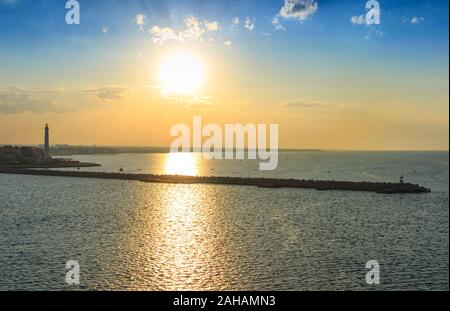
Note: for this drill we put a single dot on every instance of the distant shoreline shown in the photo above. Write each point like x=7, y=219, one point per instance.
x=378, y=187
x=87, y=150
x=59, y=164
x=75, y=150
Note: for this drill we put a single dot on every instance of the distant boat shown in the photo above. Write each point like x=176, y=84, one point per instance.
x=120, y=169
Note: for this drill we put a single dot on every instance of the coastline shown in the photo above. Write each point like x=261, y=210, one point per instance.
x=321, y=185
x=60, y=164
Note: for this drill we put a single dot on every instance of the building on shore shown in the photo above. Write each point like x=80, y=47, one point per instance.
x=25, y=155
x=15, y=155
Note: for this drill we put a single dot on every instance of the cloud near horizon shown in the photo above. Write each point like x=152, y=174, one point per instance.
x=14, y=99
x=109, y=93
x=18, y=100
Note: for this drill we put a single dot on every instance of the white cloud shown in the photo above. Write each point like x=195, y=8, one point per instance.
x=194, y=31
x=358, y=20
x=299, y=9
x=140, y=21
x=105, y=29
x=249, y=23
x=228, y=43
x=417, y=20
x=277, y=24
x=161, y=35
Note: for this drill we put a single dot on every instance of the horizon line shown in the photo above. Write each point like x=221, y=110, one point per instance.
x=280, y=149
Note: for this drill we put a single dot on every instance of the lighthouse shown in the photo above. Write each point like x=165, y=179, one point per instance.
x=46, y=146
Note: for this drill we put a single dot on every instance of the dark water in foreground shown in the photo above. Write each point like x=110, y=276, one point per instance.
x=139, y=236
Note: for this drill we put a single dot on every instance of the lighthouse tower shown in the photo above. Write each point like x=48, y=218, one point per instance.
x=46, y=146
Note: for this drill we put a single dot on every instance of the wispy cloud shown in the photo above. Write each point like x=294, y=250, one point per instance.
x=417, y=20
x=18, y=100
x=277, y=24
x=374, y=33
x=191, y=101
x=15, y=99
x=109, y=93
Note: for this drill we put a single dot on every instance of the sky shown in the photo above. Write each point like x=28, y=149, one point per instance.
x=314, y=67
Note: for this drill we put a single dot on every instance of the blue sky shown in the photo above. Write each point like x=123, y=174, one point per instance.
x=34, y=35
x=38, y=23
x=261, y=54
x=43, y=19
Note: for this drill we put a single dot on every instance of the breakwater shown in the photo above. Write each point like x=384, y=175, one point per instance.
x=379, y=187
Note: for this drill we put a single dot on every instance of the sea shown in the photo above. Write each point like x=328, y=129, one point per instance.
x=131, y=235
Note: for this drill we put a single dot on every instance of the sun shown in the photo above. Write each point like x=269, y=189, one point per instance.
x=181, y=73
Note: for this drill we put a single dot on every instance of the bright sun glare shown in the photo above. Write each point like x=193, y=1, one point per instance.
x=181, y=73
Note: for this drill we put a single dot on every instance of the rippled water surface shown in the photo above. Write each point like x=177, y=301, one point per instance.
x=143, y=236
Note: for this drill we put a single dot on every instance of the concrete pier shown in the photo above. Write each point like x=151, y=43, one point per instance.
x=379, y=187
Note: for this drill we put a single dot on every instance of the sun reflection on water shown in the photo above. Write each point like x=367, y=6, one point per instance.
x=182, y=235
x=183, y=163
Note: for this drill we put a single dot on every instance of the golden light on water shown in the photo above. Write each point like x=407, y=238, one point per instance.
x=184, y=227
x=184, y=163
